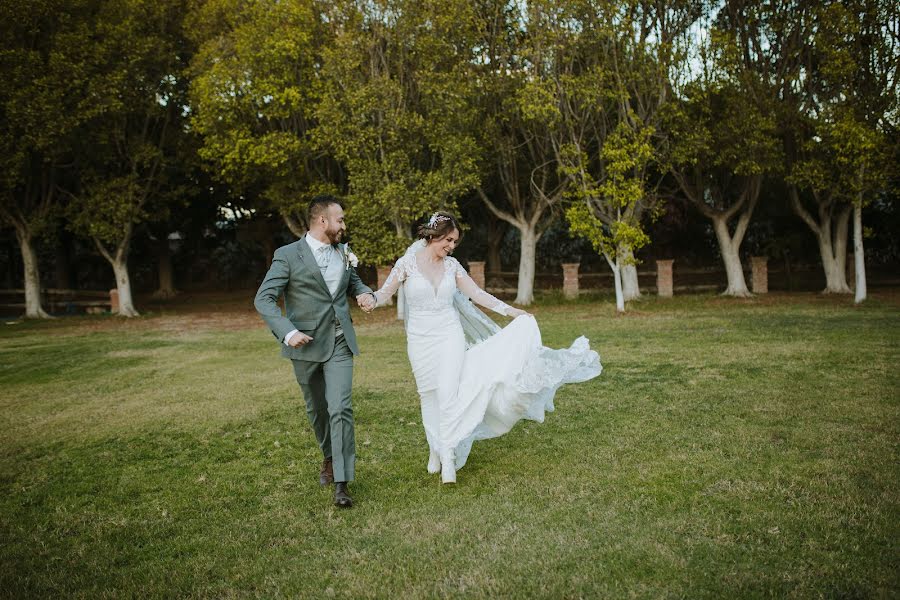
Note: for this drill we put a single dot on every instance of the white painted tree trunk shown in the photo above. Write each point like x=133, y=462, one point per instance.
x=858, y=254
x=295, y=225
x=33, y=308
x=831, y=235
x=119, y=262
x=617, y=282
x=630, y=287
x=833, y=250
x=835, y=275
x=734, y=270
x=123, y=285
x=528, y=247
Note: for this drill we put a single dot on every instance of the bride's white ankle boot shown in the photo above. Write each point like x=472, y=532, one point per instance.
x=448, y=467
x=434, y=462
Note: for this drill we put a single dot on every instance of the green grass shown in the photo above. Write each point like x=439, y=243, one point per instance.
x=730, y=449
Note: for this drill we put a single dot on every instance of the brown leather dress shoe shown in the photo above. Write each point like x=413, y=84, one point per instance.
x=342, y=497
x=326, y=473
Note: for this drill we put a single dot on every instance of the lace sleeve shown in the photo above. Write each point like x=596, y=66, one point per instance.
x=392, y=283
x=477, y=295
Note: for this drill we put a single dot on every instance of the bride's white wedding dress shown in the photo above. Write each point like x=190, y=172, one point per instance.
x=479, y=392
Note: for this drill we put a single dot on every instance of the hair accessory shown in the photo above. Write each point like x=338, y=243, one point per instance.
x=435, y=219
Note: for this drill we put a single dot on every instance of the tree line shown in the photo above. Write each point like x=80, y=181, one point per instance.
x=116, y=113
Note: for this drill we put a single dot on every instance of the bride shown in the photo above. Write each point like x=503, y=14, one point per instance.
x=475, y=380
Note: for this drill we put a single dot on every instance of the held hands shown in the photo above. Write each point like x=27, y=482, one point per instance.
x=366, y=302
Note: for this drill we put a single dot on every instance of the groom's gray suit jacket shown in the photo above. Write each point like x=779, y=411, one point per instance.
x=310, y=307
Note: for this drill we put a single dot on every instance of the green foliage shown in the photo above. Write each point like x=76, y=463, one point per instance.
x=44, y=99
x=722, y=132
x=862, y=156
x=718, y=126
x=845, y=159
x=515, y=97
x=603, y=212
x=108, y=208
x=129, y=150
x=404, y=106
x=858, y=83
x=252, y=97
x=611, y=66
x=850, y=106
x=607, y=239
x=393, y=110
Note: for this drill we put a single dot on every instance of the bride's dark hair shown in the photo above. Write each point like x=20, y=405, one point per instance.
x=438, y=225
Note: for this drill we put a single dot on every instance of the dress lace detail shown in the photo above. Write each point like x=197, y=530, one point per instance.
x=543, y=368
x=468, y=287
x=454, y=267
x=399, y=273
x=406, y=269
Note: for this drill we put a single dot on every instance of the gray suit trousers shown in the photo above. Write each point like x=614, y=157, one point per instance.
x=326, y=388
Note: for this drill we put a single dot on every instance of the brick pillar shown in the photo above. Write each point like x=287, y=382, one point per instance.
x=383, y=273
x=476, y=272
x=570, y=280
x=114, y=300
x=760, y=274
x=664, y=278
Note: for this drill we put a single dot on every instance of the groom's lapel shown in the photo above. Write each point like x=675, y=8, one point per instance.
x=309, y=260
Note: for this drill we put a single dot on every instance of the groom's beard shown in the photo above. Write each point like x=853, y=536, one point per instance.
x=334, y=235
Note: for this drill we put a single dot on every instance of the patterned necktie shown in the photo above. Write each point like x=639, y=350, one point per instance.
x=323, y=258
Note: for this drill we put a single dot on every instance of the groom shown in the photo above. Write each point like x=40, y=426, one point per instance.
x=314, y=274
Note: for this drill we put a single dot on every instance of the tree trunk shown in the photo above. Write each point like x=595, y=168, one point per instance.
x=832, y=243
x=295, y=225
x=858, y=254
x=730, y=249
x=63, y=267
x=833, y=250
x=630, y=287
x=33, y=308
x=123, y=285
x=528, y=246
x=165, y=270
x=268, y=245
x=119, y=262
x=788, y=274
x=496, y=230
x=617, y=282
x=9, y=277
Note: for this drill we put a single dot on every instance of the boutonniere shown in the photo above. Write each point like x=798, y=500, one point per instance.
x=350, y=259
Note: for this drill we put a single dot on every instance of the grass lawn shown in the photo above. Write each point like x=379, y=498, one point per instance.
x=730, y=449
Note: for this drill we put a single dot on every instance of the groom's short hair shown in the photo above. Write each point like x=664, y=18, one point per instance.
x=320, y=204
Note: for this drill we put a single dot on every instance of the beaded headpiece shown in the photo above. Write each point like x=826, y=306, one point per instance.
x=435, y=219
